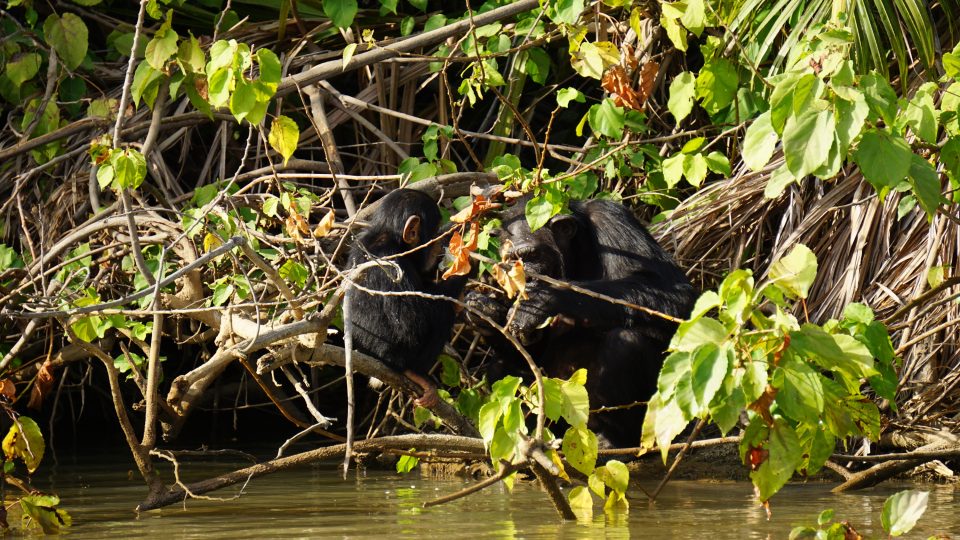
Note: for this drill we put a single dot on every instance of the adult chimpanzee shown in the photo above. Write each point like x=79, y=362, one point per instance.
x=406, y=332
x=601, y=247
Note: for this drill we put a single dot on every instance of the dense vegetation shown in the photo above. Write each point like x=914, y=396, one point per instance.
x=178, y=185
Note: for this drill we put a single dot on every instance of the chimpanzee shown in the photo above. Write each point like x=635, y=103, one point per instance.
x=601, y=247
x=406, y=332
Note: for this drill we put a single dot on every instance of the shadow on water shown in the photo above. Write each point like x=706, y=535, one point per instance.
x=315, y=503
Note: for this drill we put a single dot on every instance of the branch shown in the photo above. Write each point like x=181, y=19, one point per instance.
x=332, y=68
x=399, y=442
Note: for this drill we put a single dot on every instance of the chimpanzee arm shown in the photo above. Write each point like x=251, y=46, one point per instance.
x=545, y=301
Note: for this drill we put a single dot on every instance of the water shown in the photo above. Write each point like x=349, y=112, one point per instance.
x=314, y=502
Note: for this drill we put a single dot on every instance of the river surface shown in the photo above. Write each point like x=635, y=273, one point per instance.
x=313, y=502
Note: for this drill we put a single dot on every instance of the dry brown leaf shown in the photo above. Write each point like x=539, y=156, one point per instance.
x=461, y=252
x=648, y=76
x=513, y=281
x=617, y=83
x=41, y=386
x=7, y=389
x=296, y=226
x=326, y=225
x=628, y=58
x=477, y=207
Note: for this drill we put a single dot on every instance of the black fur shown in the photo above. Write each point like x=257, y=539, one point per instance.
x=405, y=332
x=600, y=246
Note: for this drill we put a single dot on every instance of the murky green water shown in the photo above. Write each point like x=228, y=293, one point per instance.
x=315, y=503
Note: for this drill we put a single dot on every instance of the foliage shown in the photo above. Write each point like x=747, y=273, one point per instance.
x=24, y=443
x=796, y=93
x=901, y=511
x=798, y=384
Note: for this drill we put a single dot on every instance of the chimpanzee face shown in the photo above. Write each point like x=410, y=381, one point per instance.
x=544, y=251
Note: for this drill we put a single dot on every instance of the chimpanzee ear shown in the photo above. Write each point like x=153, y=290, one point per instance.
x=411, y=231
x=564, y=226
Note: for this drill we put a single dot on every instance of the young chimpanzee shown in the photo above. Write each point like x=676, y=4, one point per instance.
x=406, y=332
x=601, y=247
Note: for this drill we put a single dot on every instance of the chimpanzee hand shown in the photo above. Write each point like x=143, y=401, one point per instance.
x=528, y=315
x=490, y=305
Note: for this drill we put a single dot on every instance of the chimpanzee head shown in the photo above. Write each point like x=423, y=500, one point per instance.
x=410, y=218
x=544, y=251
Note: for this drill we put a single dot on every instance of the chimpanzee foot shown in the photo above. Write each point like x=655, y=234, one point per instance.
x=429, y=397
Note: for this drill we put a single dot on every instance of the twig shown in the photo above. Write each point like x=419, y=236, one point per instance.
x=507, y=470
x=677, y=459
x=438, y=442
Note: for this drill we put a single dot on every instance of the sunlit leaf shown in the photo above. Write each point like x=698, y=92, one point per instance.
x=67, y=35
x=902, y=510
x=284, y=136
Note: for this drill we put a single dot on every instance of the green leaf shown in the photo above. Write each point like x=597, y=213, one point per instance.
x=43, y=511
x=691, y=335
x=921, y=114
x=576, y=403
x=24, y=441
x=539, y=210
x=489, y=417
x=553, y=398
x=694, y=16
x=717, y=84
x=807, y=138
x=161, y=47
x=565, y=11
x=190, y=55
x=294, y=272
x=781, y=99
x=146, y=82
x=884, y=159
x=835, y=352
x=581, y=502
x=709, y=368
x=951, y=65
x=593, y=59
x=676, y=32
x=270, y=68
x=407, y=25
x=784, y=455
x=795, y=272
x=607, y=119
x=340, y=12
x=24, y=68
x=779, y=179
x=130, y=168
x=902, y=510
x=435, y=21
x=407, y=463
x=68, y=36
x=925, y=182
x=851, y=116
x=759, y=143
x=718, y=163
x=682, y=92
x=615, y=475
x=580, y=448
x=243, y=100
x=880, y=97
x=673, y=169
x=537, y=65
x=284, y=136
x=566, y=95
x=222, y=54
x=666, y=420
x=675, y=367
x=694, y=168
x=801, y=394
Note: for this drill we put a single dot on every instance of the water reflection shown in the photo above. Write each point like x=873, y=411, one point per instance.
x=316, y=503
